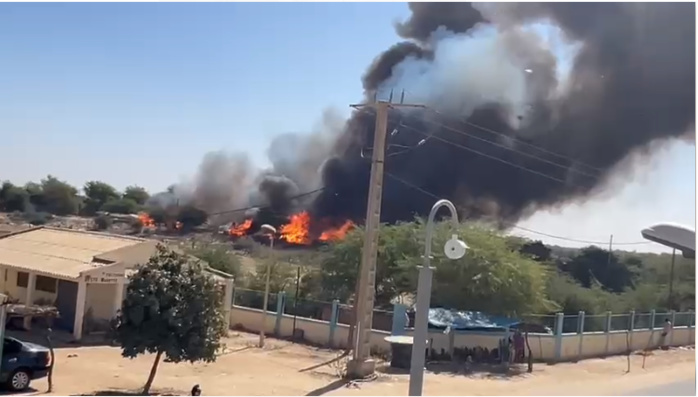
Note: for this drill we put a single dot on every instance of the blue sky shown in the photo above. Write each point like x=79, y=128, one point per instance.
x=136, y=93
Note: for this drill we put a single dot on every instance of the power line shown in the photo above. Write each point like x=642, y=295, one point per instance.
x=413, y=186
x=509, y=148
x=257, y=207
x=524, y=143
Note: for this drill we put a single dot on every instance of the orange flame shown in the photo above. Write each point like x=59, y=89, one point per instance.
x=296, y=230
x=338, y=233
x=145, y=220
x=240, y=230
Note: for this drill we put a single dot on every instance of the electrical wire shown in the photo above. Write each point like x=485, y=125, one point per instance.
x=426, y=192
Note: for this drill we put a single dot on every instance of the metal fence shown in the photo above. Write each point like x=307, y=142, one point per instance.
x=574, y=323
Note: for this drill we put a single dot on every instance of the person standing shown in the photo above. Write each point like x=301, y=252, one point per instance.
x=519, y=352
x=666, y=329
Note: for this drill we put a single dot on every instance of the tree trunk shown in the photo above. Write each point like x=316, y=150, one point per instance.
x=151, y=377
x=53, y=360
x=530, y=356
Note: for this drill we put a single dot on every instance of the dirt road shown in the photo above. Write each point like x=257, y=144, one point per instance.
x=283, y=368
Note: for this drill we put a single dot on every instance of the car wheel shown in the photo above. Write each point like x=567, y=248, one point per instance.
x=19, y=380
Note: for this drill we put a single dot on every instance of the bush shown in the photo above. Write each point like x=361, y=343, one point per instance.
x=120, y=206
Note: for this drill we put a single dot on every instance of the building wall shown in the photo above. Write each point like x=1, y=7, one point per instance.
x=594, y=344
x=100, y=301
x=8, y=285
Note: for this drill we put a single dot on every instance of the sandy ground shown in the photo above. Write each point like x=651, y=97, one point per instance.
x=283, y=368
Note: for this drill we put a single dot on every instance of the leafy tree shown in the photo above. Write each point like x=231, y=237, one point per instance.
x=13, y=198
x=393, y=278
x=59, y=197
x=492, y=277
x=536, y=250
x=36, y=195
x=191, y=216
x=120, y=206
x=171, y=307
x=137, y=194
x=98, y=193
x=220, y=258
x=593, y=263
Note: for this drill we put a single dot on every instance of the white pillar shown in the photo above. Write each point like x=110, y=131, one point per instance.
x=118, y=296
x=228, y=303
x=31, y=285
x=80, y=308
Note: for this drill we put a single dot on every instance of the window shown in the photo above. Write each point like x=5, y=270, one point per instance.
x=46, y=284
x=11, y=347
x=22, y=279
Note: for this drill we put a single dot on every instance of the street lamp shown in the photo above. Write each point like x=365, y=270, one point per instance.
x=454, y=249
x=271, y=232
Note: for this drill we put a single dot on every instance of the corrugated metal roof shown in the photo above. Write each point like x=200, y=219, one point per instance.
x=59, y=252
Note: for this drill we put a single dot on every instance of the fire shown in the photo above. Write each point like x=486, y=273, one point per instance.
x=336, y=234
x=146, y=220
x=296, y=230
x=240, y=230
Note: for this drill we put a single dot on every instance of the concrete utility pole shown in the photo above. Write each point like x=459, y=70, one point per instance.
x=361, y=365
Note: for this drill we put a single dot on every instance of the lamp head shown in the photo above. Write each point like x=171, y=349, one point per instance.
x=455, y=248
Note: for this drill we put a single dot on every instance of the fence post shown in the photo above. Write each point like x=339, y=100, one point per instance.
x=631, y=329
x=653, y=315
x=399, y=312
x=559, y=318
x=673, y=325
x=280, y=301
x=691, y=324
x=608, y=330
x=333, y=321
x=580, y=331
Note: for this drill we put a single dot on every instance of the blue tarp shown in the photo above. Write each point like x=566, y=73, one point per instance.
x=468, y=320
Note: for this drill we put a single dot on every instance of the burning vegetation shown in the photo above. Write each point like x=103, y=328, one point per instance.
x=299, y=230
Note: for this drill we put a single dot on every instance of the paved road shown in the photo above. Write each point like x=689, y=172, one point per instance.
x=683, y=388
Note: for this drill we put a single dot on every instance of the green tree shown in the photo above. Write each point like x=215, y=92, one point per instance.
x=137, y=194
x=120, y=206
x=13, y=198
x=171, y=307
x=219, y=257
x=59, y=197
x=493, y=276
x=593, y=263
x=98, y=193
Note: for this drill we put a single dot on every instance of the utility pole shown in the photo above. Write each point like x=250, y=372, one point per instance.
x=671, y=280
x=361, y=365
x=610, y=251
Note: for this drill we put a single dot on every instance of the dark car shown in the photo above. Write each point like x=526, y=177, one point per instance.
x=23, y=362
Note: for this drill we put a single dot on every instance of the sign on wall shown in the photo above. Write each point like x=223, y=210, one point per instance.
x=105, y=277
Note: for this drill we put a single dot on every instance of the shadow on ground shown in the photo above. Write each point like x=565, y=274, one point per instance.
x=492, y=371
x=132, y=392
x=328, y=388
x=28, y=392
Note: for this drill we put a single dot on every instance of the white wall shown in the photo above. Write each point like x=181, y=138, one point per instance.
x=594, y=344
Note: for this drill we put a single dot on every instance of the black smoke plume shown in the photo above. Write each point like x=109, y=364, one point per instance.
x=505, y=134
x=631, y=84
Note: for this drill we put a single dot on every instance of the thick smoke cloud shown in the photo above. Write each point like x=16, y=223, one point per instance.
x=481, y=68
x=631, y=84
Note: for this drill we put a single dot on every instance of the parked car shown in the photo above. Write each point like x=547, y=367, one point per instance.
x=23, y=362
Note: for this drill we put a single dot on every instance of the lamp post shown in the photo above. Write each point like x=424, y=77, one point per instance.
x=271, y=232
x=454, y=249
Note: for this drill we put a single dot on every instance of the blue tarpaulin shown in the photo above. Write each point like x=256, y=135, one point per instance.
x=440, y=318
